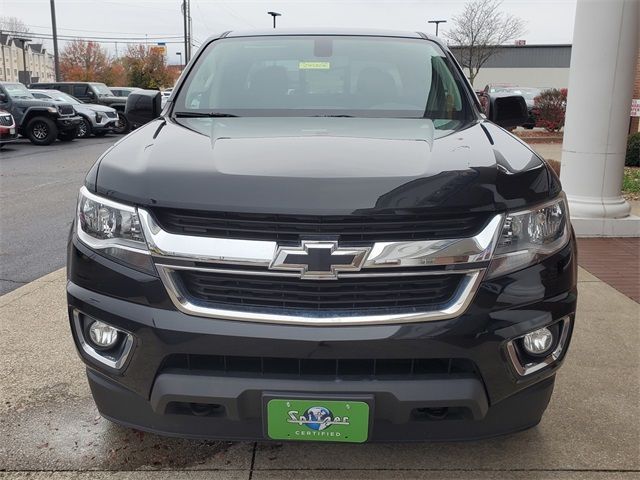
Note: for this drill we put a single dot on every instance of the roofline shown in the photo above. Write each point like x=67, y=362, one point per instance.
x=354, y=32
x=536, y=45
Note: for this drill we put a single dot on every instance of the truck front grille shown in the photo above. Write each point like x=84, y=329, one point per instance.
x=6, y=120
x=359, y=228
x=345, y=294
x=325, y=367
x=66, y=110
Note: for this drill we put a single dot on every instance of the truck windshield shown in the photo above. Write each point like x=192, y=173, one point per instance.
x=18, y=90
x=350, y=76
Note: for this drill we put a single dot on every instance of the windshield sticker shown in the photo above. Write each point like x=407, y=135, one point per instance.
x=314, y=65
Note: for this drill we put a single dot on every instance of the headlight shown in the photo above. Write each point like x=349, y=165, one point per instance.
x=52, y=110
x=98, y=117
x=113, y=230
x=529, y=236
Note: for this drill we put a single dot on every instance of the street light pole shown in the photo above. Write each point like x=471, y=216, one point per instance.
x=437, y=22
x=274, y=15
x=54, y=28
x=27, y=73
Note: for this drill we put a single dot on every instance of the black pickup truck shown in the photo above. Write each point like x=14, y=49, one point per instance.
x=325, y=240
x=41, y=121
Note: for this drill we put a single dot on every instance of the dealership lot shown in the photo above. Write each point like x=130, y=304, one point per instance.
x=38, y=190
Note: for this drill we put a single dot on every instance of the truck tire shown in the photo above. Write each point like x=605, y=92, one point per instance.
x=68, y=135
x=42, y=131
x=123, y=124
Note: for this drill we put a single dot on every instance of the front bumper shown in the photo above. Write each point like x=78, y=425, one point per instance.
x=68, y=123
x=489, y=399
x=6, y=134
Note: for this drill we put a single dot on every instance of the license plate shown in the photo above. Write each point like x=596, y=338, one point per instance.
x=318, y=420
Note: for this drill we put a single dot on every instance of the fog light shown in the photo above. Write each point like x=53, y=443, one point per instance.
x=538, y=342
x=103, y=335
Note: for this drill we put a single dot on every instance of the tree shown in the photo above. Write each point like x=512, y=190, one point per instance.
x=146, y=67
x=549, y=109
x=13, y=25
x=479, y=30
x=84, y=61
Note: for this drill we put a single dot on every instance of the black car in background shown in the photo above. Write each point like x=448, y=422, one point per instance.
x=41, y=121
x=326, y=240
x=92, y=92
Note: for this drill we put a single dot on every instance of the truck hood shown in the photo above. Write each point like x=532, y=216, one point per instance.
x=321, y=166
x=112, y=100
x=93, y=107
x=25, y=103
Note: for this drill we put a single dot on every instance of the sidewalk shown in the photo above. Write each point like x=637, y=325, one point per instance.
x=49, y=427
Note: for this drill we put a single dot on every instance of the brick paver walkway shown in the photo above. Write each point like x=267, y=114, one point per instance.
x=615, y=261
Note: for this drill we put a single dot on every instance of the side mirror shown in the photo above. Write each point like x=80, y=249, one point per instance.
x=143, y=106
x=90, y=94
x=508, y=111
x=3, y=97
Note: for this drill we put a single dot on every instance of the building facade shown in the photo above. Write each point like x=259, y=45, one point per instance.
x=542, y=66
x=39, y=62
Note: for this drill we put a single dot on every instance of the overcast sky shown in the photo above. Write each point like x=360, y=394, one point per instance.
x=547, y=21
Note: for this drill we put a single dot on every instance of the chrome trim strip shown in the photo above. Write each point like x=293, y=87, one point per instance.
x=456, y=307
x=95, y=354
x=528, y=369
x=258, y=253
x=269, y=273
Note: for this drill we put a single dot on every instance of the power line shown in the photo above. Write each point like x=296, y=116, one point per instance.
x=98, y=31
x=92, y=38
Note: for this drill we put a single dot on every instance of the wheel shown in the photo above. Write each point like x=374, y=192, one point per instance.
x=84, y=129
x=68, y=135
x=41, y=131
x=123, y=126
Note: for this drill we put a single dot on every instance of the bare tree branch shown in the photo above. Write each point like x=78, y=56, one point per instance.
x=479, y=30
x=13, y=25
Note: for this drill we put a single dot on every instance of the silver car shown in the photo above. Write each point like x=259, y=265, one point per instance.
x=96, y=119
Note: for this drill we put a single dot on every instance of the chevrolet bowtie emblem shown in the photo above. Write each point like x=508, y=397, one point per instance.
x=319, y=260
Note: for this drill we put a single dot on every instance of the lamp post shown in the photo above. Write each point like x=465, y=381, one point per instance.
x=274, y=15
x=26, y=74
x=437, y=22
x=180, y=55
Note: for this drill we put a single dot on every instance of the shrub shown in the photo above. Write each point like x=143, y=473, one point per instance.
x=549, y=109
x=633, y=151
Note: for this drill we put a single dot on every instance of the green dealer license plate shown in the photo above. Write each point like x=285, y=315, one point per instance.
x=318, y=420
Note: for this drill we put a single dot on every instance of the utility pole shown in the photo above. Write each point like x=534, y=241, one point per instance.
x=274, y=15
x=54, y=27
x=437, y=22
x=186, y=33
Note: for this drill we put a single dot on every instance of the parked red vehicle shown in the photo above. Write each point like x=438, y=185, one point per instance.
x=8, y=130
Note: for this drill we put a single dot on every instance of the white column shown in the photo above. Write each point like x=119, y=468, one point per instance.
x=605, y=48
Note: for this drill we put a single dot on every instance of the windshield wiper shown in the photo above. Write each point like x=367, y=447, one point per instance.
x=203, y=115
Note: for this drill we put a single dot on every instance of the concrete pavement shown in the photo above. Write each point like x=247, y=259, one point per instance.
x=49, y=427
x=38, y=192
